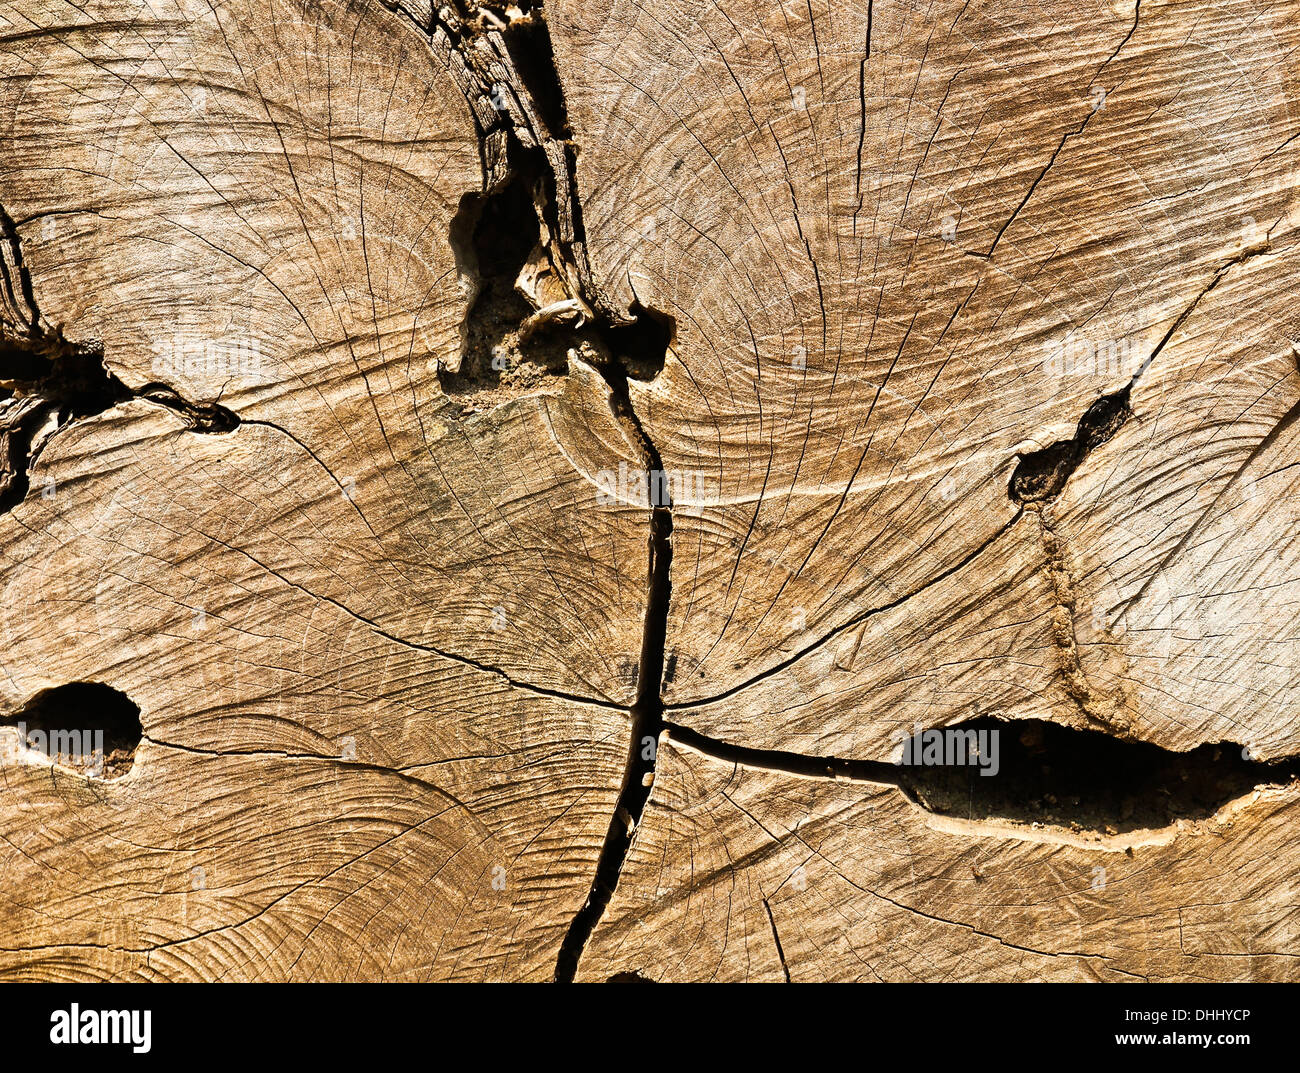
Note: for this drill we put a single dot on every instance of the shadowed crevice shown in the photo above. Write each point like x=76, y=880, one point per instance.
x=524, y=319
x=1042, y=475
x=1039, y=773
x=529, y=43
x=630, y=978
x=505, y=349
x=46, y=381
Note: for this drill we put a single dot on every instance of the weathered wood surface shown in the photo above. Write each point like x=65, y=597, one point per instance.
x=409, y=675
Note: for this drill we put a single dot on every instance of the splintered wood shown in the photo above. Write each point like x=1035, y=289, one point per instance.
x=527, y=475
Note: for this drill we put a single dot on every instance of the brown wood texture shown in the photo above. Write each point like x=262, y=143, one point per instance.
x=531, y=468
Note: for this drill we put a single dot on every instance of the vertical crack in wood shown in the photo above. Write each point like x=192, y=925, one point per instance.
x=776, y=938
x=506, y=70
x=648, y=708
x=19, y=309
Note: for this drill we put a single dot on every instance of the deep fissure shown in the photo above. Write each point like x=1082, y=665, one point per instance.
x=47, y=381
x=519, y=331
x=1047, y=774
x=521, y=245
x=647, y=710
x=506, y=346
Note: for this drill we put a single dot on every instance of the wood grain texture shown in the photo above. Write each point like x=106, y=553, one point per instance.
x=330, y=338
x=798, y=190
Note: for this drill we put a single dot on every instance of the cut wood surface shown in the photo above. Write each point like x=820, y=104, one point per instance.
x=519, y=477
